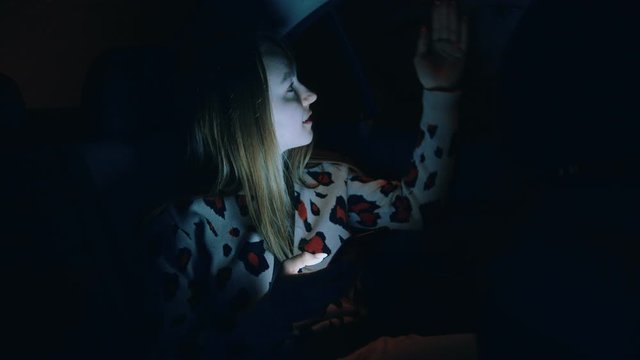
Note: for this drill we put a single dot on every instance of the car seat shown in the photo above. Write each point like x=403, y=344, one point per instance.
x=132, y=165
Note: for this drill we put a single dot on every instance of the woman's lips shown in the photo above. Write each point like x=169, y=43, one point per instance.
x=309, y=120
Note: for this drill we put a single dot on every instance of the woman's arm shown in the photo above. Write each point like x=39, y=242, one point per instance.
x=439, y=62
x=192, y=315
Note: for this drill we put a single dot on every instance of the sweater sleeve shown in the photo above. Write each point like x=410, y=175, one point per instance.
x=396, y=204
x=195, y=318
x=179, y=277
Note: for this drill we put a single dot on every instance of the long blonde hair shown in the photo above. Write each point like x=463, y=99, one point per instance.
x=233, y=141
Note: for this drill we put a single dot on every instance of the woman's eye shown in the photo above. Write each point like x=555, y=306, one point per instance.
x=290, y=89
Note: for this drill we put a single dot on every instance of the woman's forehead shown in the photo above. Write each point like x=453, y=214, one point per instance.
x=276, y=55
x=277, y=65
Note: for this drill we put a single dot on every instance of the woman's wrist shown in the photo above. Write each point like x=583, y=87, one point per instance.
x=443, y=89
x=440, y=107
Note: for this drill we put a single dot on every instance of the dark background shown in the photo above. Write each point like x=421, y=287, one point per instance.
x=47, y=46
x=548, y=89
x=359, y=52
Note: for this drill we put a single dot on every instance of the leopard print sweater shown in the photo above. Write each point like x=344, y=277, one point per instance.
x=210, y=264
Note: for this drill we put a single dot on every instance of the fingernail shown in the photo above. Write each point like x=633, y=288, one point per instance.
x=320, y=255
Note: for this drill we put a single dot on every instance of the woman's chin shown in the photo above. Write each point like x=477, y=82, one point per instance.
x=298, y=145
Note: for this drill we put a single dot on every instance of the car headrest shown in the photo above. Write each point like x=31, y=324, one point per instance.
x=129, y=92
x=13, y=112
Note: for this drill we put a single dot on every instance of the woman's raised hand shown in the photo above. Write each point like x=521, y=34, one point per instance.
x=293, y=265
x=441, y=50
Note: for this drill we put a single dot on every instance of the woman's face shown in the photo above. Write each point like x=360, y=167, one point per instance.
x=289, y=99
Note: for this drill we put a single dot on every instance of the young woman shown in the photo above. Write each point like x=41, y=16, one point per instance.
x=223, y=258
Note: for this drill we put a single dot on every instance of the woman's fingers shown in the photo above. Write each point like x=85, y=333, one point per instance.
x=464, y=33
x=438, y=20
x=441, y=50
x=446, y=29
x=332, y=323
x=338, y=313
x=451, y=21
x=449, y=51
x=293, y=265
x=423, y=41
x=312, y=259
x=449, y=38
x=445, y=23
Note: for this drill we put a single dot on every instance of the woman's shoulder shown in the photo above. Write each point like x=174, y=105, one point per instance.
x=331, y=166
x=189, y=210
x=327, y=161
x=327, y=173
x=186, y=218
x=169, y=215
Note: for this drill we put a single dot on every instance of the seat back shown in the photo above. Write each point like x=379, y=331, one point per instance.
x=134, y=164
x=128, y=93
x=13, y=112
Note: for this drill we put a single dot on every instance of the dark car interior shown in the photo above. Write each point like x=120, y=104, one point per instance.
x=533, y=250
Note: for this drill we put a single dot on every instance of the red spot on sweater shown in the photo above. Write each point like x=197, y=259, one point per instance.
x=315, y=210
x=302, y=210
x=253, y=259
x=314, y=245
x=341, y=214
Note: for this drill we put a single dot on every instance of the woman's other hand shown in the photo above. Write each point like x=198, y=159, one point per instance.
x=294, y=264
x=441, y=50
x=302, y=296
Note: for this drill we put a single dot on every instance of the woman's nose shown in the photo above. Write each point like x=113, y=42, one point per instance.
x=308, y=97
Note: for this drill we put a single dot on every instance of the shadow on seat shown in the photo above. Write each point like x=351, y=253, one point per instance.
x=13, y=112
